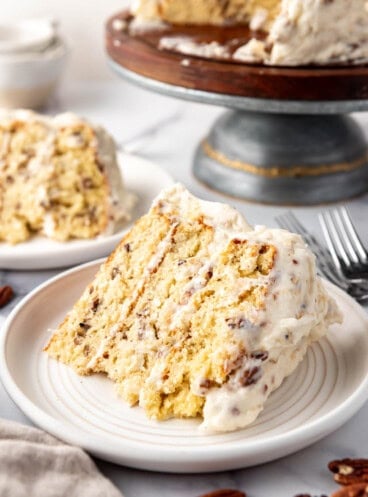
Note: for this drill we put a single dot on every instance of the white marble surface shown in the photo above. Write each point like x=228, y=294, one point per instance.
x=125, y=111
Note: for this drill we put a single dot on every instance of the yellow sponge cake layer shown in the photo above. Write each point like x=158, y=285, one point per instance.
x=206, y=11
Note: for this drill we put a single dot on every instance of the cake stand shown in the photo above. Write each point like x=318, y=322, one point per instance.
x=287, y=138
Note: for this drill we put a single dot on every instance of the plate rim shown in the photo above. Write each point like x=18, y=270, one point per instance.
x=284, y=443
x=67, y=249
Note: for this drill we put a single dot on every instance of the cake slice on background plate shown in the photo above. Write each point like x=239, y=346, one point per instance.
x=195, y=313
x=59, y=177
x=286, y=32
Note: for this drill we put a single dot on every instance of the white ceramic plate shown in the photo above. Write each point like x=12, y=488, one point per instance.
x=328, y=387
x=141, y=177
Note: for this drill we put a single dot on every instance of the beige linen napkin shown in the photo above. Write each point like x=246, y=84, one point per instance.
x=35, y=464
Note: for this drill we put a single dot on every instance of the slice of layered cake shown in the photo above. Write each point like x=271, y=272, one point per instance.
x=59, y=177
x=286, y=32
x=197, y=314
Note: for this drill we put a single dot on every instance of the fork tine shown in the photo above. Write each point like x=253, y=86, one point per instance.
x=354, y=235
x=345, y=237
x=297, y=227
x=287, y=221
x=329, y=241
x=290, y=221
x=336, y=248
x=357, y=288
x=283, y=222
x=336, y=239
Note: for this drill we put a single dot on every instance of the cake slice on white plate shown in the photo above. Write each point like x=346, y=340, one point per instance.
x=197, y=314
x=59, y=177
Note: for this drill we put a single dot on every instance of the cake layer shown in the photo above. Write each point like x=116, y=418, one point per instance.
x=59, y=177
x=206, y=11
x=197, y=314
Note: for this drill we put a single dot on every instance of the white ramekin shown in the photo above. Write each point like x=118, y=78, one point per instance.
x=28, y=79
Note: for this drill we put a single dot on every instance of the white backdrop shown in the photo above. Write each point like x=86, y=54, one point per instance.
x=82, y=21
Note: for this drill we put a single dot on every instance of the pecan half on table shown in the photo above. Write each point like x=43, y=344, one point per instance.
x=225, y=492
x=308, y=495
x=349, y=471
x=6, y=294
x=356, y=490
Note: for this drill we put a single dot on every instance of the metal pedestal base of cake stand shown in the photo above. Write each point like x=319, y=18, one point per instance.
x=284, y=158
x=277, y=151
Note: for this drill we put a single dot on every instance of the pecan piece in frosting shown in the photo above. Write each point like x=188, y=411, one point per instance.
x=349, y=471
x=250, y=376
x=260, y=355
x=96, y=302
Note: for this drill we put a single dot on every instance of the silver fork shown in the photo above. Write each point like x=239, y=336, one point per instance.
x=358, y=290
x=347, y=251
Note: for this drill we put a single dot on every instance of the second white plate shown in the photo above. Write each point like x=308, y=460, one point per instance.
x=328, y=387
x=141, y=177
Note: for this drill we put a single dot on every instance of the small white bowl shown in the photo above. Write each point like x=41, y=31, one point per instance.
x=27, y=79
x=24, y=36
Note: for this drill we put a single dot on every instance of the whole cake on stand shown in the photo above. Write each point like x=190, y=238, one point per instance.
x=294, y=32
x=289, y=69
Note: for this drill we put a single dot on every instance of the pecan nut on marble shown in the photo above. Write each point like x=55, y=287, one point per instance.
x=349, y=471
x=309, y=495
x=6, y=294
x=356, y=490
x=225, y=492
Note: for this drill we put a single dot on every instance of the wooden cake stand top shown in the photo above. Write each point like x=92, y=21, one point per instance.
x=140, y=54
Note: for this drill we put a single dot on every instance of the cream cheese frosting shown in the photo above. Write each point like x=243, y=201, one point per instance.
x=188, y=46
x=296, y=313
x=314, y=32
